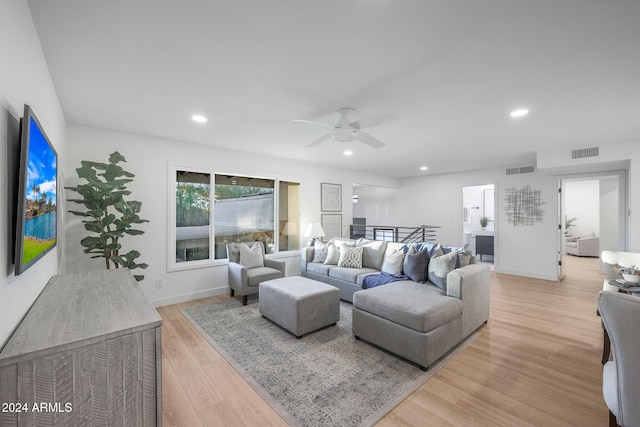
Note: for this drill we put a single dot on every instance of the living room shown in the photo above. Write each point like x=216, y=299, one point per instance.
x=31, y=75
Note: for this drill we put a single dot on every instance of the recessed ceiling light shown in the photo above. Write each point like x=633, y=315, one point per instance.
x=424, y=168
x=348, y=153
x=198, y=118
x=519, y=113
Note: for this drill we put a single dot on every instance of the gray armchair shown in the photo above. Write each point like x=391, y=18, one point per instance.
x=621, y=376
x=245, y=280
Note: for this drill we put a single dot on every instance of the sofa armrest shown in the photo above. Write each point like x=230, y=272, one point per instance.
x=274, y=263
x=589, y=246
x=471, y=284
x=237, y=276
x=306, y=256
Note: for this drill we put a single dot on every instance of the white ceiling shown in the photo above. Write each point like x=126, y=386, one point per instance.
x=452, y=70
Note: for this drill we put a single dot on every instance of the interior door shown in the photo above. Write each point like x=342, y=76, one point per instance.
x=562, y=243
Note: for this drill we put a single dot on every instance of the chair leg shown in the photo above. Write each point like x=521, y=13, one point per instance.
x=231, y=292
x=245, y=299
x=612, y=420
x=606, y=347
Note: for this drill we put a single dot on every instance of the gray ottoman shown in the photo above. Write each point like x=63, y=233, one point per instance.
x=298, y=304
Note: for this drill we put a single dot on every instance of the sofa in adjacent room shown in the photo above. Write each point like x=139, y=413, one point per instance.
x=588, y=245
x=440, y=297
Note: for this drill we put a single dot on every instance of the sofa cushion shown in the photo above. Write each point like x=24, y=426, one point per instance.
x=339, y=241
x=440, y=265
x=350, y=274
x=392, y=263
x=319, y=268
x=372, y=253
x=350, y=257
x=394, y=247
x=414, y=305
x=261, y=274
x=333, y=255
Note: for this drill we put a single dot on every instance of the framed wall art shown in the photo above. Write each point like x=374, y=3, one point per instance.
x=332, y=225
x=330, y=197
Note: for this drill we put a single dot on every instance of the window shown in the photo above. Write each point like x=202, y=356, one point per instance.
x=211, y=210
x=243, y=212
x=193, y=216
x=289, y=215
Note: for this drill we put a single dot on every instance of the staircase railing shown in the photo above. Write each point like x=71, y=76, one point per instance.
x=395, y=233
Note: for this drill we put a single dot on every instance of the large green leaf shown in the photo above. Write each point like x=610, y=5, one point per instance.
x=113, y=172
x=116, y=157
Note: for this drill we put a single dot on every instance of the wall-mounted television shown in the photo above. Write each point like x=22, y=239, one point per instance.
x=36, y=228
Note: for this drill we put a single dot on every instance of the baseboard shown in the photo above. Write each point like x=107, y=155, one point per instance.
x=190, y=296
x=530, y=274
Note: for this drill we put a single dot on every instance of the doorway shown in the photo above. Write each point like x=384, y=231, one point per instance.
x=479, y=221
x=592, y=215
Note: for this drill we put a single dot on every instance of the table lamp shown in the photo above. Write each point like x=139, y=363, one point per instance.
x=314, y=230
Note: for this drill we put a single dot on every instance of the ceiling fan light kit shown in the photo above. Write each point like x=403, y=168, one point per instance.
x=348, y=130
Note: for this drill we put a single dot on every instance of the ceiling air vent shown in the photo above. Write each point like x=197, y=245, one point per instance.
x=516, y=171
x=582, y=153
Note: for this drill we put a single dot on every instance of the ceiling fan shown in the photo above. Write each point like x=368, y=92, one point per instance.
x=348, y=130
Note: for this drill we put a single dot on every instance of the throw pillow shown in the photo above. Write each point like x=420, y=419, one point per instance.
x=251, y=257
x=373, y=253
x=409, y=250
x=333, y=255
x=440, y=266
x=350, y=257
x=464, y=258
x=320, y=251
x=393, y=263
x=415, y=265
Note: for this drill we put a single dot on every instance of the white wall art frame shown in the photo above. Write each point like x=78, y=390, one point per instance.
x=330, y=197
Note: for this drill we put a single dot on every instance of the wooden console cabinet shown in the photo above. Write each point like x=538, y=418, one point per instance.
x=87, y=353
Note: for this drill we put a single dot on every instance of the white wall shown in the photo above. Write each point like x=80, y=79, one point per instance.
x=582, y=201
x=24, y=79
x=521, y=250
x=148, y=158
x=377, y=205
x=609, y=211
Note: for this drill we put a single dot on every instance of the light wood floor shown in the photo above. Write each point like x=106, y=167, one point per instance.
x=535, y=363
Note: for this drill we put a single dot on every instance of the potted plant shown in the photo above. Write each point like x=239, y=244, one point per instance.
x=568, y=223
x=108, y=214
x=484, y=221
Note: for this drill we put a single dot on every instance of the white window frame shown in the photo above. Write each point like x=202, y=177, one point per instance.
x=172, y=265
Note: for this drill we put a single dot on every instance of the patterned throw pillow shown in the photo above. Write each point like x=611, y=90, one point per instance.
x=333, y=255
x=392, y=263
x=440, y=265
x=320, y=252
x=251, y=257
x=350, y=257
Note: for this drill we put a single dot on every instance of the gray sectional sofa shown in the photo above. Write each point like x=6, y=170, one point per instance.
x=416, y=320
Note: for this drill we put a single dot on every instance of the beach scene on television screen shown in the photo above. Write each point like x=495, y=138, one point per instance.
x=40, y=215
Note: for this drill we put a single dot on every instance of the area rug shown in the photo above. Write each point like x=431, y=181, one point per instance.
x=326, y=378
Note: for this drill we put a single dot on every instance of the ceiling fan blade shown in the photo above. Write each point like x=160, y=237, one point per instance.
x=367, y=122
x=319, y=140
x=308, y=122
x=370, y=140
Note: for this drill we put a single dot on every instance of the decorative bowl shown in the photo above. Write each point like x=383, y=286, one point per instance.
x=631, y=278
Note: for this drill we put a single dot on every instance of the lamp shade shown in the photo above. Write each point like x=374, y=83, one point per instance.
x=314, y=230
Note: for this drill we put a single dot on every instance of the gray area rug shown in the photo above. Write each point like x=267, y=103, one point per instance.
x=326, y=378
